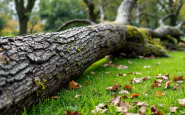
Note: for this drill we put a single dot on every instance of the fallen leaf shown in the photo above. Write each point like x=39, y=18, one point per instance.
x=141, y=104
x=121, y=74
x=55, y=97
x=158, y=76
x=114, y=87
x=167, y=84
x=122, y=67
x=87, y=83
x=107, y=72
x=124, y=105
x=146, y=78
x=130, y=73
x=131, y=114
x=142, y=110
x=147, y=66
x=176, y=87
x=158, y=63
x=159, y=93
x=124, y=97
x=134, y=95
x=127, y=87
x=180, y=81
x=138, y=73
x=178, y=78
x=73, y=113
x=77, y=96
x=115, y=100
x=173, y=109
x=158, y=81
x=155, y=110
x=136, y=80
x=103, y=108
x=92, y=72
x=124, y=92
x=182, y=102
x=156, y=85
x=129, y=62
x=74, y=85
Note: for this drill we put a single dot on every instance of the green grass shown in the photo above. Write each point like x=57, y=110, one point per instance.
x=96, y=92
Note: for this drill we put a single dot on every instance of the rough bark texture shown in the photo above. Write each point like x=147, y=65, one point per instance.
x=35, y=66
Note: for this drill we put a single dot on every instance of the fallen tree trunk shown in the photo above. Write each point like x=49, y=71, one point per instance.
x=35, y=66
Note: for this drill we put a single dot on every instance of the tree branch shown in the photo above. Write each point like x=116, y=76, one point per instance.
x=30, y=5
x=163, y=6
x=179, y=26
x=161, y=21
x=124, y=11
x=87, y=21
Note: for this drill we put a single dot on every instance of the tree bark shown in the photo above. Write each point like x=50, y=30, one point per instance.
x=35, y=66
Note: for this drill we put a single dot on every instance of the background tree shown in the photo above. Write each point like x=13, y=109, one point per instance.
x=24, y=9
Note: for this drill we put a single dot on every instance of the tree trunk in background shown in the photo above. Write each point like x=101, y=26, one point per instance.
x=23, y=24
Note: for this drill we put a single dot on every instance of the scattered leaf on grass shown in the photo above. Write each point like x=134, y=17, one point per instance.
x=156, y=85
x=92, y=72
x=176, y=87
x=77, y=96
x=167, y=84
x=182, y=102
x=103, y=108
x=54, y=97
x=155, y=110
x=74, y=85
x=158, y=81
x=158, y=63
x=114, y=87
x=121, y=74
x=73, y=113
x=158, y=76
x=173, y=109
x=127, y=87
x=178, y=78
x=129, y=62
x=124, y=92
x=159, y=93
x=124, y=105
x=180, y=81
x=138, y=73
x=146, y=78
x=134, y=95
x=142, y=110
x=107, y=72
x=136, y=80
x=87, y=83
x=147, y=66
x=124, y=97
x=131, y=114
x=122, y=67
x=141, y=104
x=115, y=100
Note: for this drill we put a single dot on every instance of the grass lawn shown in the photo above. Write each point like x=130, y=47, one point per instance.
x=94, y=93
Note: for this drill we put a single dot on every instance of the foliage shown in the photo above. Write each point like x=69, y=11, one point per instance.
x=57, y=12
x=11, y=28
x=142, y=95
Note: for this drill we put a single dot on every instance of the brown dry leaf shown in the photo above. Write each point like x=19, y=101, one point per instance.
x=146, y=78
x=127, y=87
x=158, y=81
x=180, y=81
x=74, y=85
x=115, y=100
x=173, y=109
x=77, y=96
x=114, y=87
x=73, y=113
x=176, y=87
x=130, y=73
x=124, y=105
x=124, y=97
x=182, y=102
x=155, y=110
x=159, y=93
x=131, y=114
x=158, y=76
x=54, y=97
x=121, y=74
x=92, y=72
x=124, y=92
x=134, y=95
x=141, y=104
x=122, y=67
x=156, y=85
x=167, y=84
x=142, y=110
x=87, y=83
x=136, y=80
x=103, y=108
x=178, y=78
